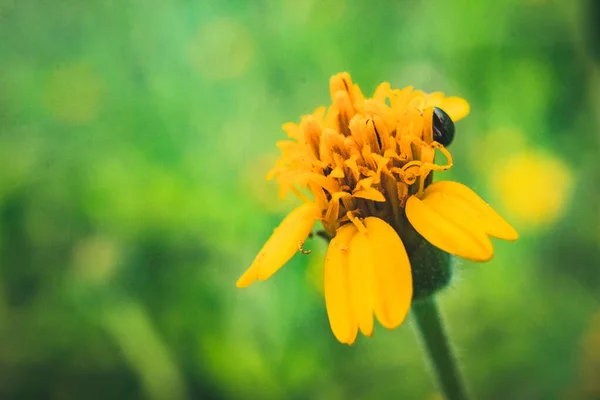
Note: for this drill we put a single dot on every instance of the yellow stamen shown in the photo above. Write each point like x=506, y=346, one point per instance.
x=446, y=153
x=300, y=248
x=357, y=222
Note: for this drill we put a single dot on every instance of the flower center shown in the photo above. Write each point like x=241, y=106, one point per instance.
x=362, y=157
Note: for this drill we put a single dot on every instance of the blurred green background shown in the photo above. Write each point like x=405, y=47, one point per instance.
x=134, y=141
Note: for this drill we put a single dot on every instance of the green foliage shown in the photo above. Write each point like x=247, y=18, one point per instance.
x=134, y=140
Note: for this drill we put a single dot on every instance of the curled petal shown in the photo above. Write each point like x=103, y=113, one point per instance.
x=444, y=228
x=463, y=197
x=337, y=286
x=282, y=244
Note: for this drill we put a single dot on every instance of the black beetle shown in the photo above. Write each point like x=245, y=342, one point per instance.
x=443, y=127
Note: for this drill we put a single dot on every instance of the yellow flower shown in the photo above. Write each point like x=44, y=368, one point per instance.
x=535, y=203
x=368, y=163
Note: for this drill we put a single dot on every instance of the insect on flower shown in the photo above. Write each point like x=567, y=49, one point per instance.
x=368, y=163
x=443, y=127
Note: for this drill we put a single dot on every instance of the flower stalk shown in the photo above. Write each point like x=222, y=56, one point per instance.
x=431, y=330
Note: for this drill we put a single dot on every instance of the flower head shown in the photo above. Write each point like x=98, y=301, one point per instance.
x=368, y=163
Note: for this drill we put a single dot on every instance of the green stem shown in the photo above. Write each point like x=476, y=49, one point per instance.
x=431, y=329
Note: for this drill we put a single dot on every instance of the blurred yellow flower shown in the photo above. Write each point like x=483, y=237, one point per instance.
x=535, y=202
x=368, y=164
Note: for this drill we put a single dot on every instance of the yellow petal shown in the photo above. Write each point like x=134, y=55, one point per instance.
x=393, y=279
x=282, y=244
x=247, y=277
x=450, y=235
x=337, y=286
x=360, y=262
x=455, y=210
x=370, y=194
x=460, y=214
x=337, y=172
x=382, y=91
x=292, y=130
x=455, y=107
x=494, y=224
x=340, y=82
x=433, y=99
